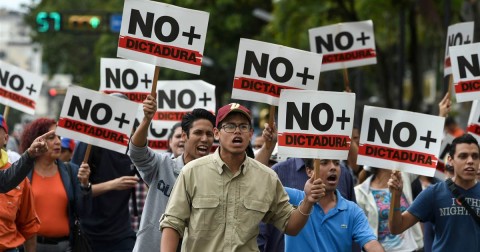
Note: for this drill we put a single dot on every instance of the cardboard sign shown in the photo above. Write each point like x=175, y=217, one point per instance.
x=458, y=34
x=473, y=127
x=344, y=45
x=466, y=71
x=319, y=125
x=400, y=140
x=94, y=118
x=132, y=78
x=158, y=131
x=163, y=35
x=19, y=88
x=264, y=69
x=175, y=99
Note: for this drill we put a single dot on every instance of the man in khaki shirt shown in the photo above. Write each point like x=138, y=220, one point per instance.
x=221, y=198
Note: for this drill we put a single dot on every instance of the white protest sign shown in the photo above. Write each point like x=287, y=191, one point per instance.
x=458, y=34
x=344, y=45
x=98, y=119
x=158, y=131
x=466, y=71
x=400, y=140
x=131, y=78
x=264, y=69
x=19, y=88
x=315, y=124
x=473, y=127
x=163, y=35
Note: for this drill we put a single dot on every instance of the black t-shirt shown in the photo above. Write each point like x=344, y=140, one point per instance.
x=110, y=216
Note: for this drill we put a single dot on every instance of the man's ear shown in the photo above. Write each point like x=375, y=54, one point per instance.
x=184, y=137
x=309, y=172
x=216, y=133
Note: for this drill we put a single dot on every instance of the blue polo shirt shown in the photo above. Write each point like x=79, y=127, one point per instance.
x=333, y=231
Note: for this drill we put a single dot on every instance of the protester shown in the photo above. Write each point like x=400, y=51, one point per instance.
x=374, y=198
x=109, y=227
x=67, y=148
x=160, y=171
x=11, y=177
x=418, y=185
x=455, y=228
x=19, y=222
x=56, y=198
x=334, y=222
x=221, y=198
x=292, y=173
x=258, y=142
x=176, y=145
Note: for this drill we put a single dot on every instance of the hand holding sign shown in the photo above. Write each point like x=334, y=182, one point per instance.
x=84, y=174
x=149, y=107
x=314, y=190
x=444, y=105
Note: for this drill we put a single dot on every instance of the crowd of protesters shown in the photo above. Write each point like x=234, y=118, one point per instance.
x=234, y=199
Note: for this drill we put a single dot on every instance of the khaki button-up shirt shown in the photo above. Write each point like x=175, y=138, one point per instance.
x=222, y=210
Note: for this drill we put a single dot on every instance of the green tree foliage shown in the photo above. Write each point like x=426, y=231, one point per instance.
x=423, y=50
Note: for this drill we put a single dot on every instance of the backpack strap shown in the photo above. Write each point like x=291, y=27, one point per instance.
x=453, y=188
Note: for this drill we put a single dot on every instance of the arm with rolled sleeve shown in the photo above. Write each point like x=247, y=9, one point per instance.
x=177, y=214
x=281, y=210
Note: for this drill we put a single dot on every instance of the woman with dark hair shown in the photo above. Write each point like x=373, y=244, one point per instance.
x=373, y=197
x=175, y=141
x=59, y=189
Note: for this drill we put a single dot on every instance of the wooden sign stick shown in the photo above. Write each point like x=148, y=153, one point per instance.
x=153, y=92
x=346, y=82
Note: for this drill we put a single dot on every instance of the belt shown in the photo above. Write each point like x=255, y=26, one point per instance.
x=51, y=240
x=13, y=250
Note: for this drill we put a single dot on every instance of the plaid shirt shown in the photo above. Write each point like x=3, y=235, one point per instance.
x=141, y=190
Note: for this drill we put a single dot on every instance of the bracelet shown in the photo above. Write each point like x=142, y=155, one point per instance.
x=397, y=209
x=301, y=210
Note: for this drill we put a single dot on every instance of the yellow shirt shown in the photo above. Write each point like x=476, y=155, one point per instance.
x=222, y=210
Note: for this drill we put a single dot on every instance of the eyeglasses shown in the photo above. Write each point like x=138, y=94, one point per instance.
x=231, y=127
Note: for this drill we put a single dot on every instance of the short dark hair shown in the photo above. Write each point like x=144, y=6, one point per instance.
x=196, y=114
x=465, y=138
x=308, y=163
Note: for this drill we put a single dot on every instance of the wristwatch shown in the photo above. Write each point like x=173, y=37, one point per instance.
x=87, y=188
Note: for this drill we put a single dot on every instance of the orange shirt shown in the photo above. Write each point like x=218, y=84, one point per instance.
x=51, y=205
x=18, y=219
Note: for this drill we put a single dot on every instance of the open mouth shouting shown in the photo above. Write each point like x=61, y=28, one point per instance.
x=203, y=150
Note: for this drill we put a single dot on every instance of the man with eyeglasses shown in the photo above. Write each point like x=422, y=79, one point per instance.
x=221, y=198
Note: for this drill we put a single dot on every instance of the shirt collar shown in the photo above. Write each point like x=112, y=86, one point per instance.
x=341, y=202
x=178, y=164
x=221, y=165
x=299, y=164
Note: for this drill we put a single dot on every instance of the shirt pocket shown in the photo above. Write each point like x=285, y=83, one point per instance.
x=12, y=203
x=206, y=214
x=250, y=214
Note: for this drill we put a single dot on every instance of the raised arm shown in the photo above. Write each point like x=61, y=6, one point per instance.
x=444, y=105
x=398, y=221
x=139, y=138
x=270, y=136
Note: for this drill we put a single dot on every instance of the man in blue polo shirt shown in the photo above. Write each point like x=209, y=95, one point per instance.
x=334, y=221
